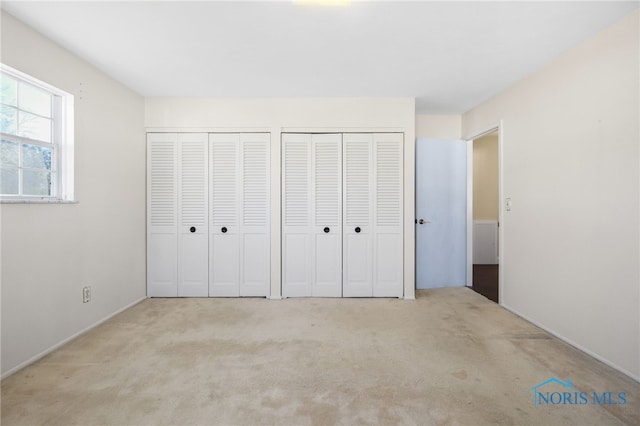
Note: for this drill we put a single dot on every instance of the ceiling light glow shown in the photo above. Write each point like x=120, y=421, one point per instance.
x=322, y=2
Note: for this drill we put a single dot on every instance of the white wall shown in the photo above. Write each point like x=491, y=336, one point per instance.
x=304, y=115
x=571, y=167
x=49, y=252
x=445, y=127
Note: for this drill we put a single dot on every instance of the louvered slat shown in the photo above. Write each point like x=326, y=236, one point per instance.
x=296, y=195
x=223, y=180
x=388, y=184
x=357, y=183
x=162, y=185
x=255, y=183
x=193, y=184
x=327, y=183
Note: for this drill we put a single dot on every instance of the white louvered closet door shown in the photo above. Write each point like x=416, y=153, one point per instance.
x=358, y=178
x=224, y=198
x=388, y=229
x=193, y=243
x=239, y=241
x=326, y=190
x=373, y=231
x=296, y=215
x=312, y=215
x=162, y=215
x=255, y=234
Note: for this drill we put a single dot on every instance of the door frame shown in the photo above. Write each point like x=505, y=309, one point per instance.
x=469, y=139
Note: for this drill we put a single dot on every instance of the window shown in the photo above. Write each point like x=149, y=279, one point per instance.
x=36, y=146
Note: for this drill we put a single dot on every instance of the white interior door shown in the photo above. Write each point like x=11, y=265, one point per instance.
x=373, y=200
x=162, y=215
x=224, y=196
x=255, y=205
x=342, y=215
x=193, y=250
x=297, y=256
x=358, y=202
x=388, y=196
x=312, y=210
x=441, y=212
x=326, y=188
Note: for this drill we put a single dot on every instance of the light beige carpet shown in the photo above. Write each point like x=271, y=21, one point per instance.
x=449, y=358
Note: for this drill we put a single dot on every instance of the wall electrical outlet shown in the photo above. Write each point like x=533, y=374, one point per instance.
x=86, y=294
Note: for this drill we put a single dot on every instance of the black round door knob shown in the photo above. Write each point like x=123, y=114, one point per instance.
x=224, y=229
x=192, y=229
x=358, y=229
x=326, y=230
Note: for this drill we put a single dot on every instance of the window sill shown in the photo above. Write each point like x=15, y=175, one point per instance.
x=9, y=201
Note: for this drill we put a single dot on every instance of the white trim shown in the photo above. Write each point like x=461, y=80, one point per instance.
x=208, y=129
x=62, y=137
x=37, y=201
x=470, y=213
x=574, y=344
x=500, y=213
x=32, y=80
x=66, y=148
x=67, y=340
x=343, y=129
x=484, y=131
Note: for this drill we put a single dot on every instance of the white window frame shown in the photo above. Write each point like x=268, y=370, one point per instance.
x=62, y=142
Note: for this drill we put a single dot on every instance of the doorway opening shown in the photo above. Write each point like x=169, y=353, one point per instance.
x=483, y=214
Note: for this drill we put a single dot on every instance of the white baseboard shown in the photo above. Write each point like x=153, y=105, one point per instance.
x=67, y=340
x=574, y=344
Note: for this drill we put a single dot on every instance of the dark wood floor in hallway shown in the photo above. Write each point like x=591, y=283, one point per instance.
x=485, y=281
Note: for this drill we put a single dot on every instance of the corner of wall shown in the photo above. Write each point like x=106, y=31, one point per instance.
x=445, y=127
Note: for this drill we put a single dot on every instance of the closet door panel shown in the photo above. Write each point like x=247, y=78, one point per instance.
x=357, y=269
x=255, y=265
x=224, y=198
x=255, y=207
x=388, y=265
x=342, y=215
x=296, y=215
x=296, y=280
x=162, y=215
x=193, y=260
x=225, y=264
x=358, y=215
x=328, y=264
x=162, y=268
x=193, y=266
x=388, y=261
x=327, y=215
